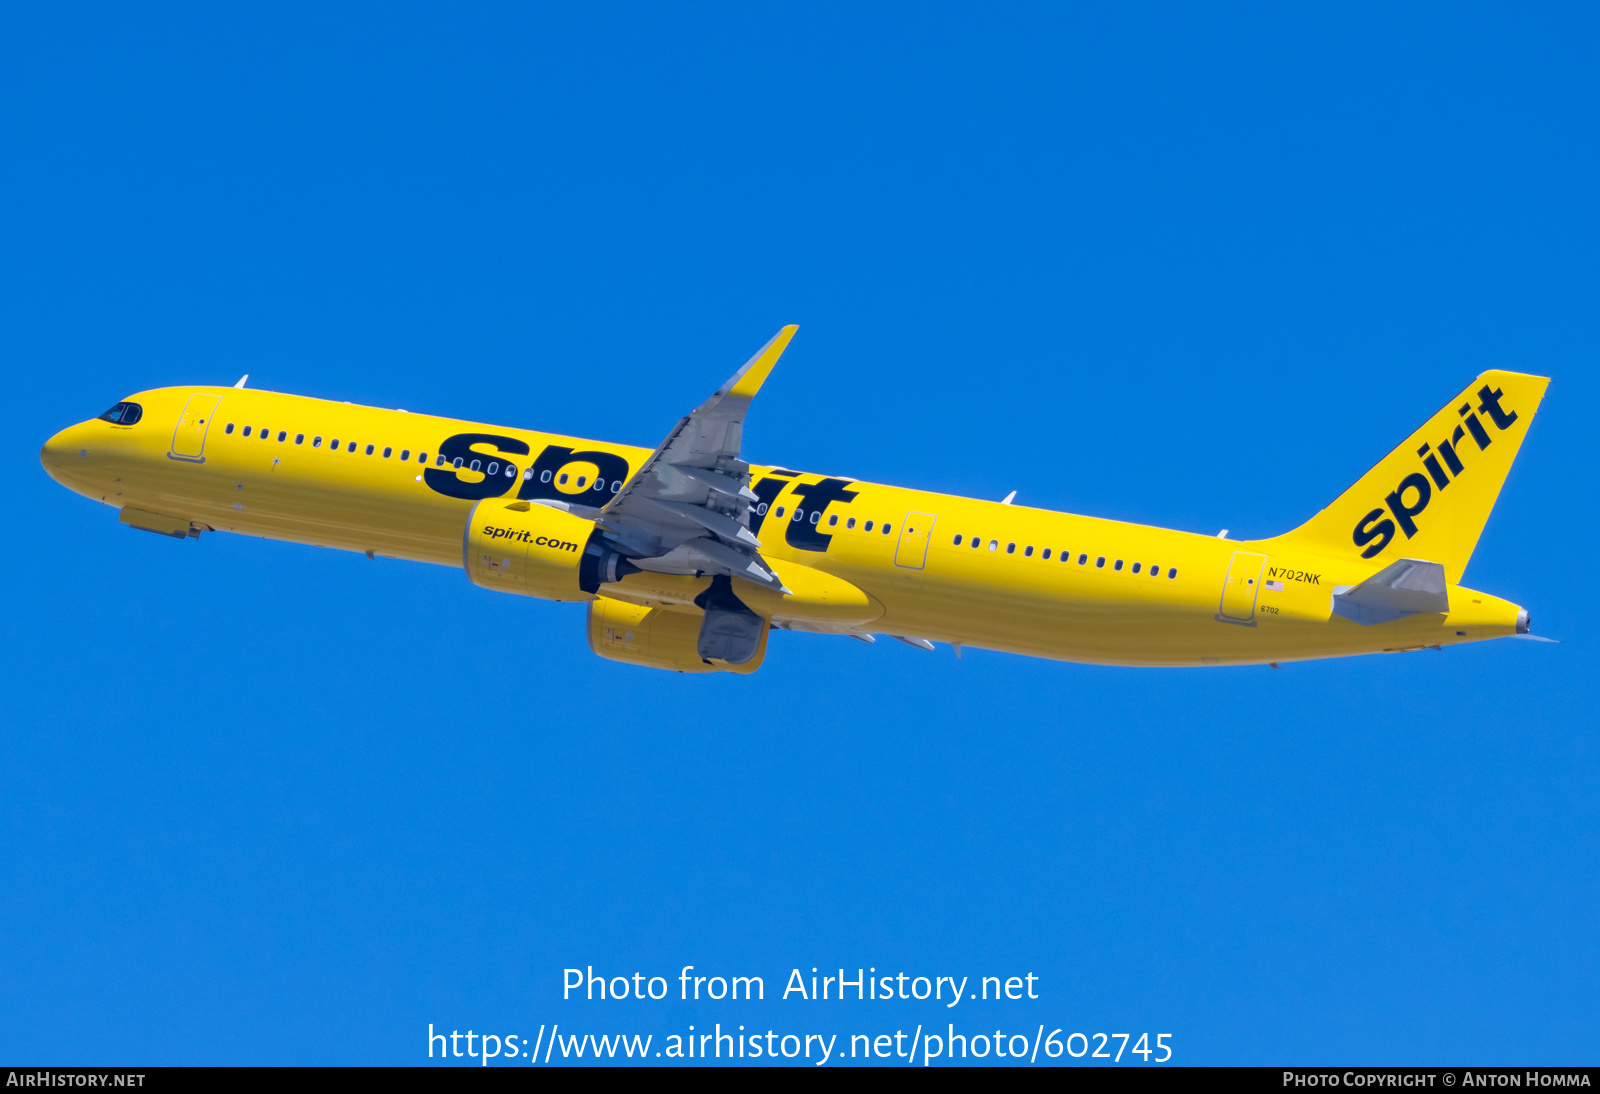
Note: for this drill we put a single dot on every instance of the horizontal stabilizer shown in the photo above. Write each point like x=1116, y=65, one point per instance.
x=1405, y=587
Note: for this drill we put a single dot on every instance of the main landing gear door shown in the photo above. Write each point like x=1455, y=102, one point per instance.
x=189, y=438
x=1240, y=587
x=912, y=551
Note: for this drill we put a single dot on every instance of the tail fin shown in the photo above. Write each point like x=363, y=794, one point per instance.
x=1430, y=497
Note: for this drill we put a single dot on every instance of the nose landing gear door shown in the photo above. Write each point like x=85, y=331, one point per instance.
x=189, y=438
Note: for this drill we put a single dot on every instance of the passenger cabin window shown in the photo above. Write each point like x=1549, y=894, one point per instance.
x=245, y=432
x=994, y=545
x=229, y=429
x=299, y=438
x=127, y=413
x=369, y=449
x=833, y=521
x=1045, y=554
x=1027, y=552
x=352, y=446
x=1011, y=548
x=387, y=452
x=422, y=457
x=885, y=529
x=283, y=435
x=1100, y=563
x=1171, y=572
x=333, y=445
x=958, y=541
x=851, y=523
x=1082, y=559
x=1135, y=567
x=1117, y=565
x=977, y=541
x=316, y=442
x=405, y=453
x=1155, y=571
x=867, y=526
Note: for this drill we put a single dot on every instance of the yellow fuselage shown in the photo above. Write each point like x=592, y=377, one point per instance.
x=1037, y=582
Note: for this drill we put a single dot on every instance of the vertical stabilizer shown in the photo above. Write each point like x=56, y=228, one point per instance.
x=1430, y=497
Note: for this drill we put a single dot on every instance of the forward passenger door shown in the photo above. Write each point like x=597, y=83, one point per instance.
x=189, y=438
x=912, y=550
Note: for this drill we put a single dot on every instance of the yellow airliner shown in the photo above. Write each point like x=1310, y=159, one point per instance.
x=687, y=556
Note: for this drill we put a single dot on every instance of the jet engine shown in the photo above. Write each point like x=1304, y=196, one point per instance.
x=536, y=550
x=660, y=637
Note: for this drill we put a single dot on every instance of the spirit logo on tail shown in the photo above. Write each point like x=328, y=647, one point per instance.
x=1376, y=526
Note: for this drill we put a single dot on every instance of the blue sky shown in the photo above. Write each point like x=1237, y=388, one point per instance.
x=265, y=803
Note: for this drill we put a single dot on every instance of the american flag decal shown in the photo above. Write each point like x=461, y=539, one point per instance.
x=1274, y=586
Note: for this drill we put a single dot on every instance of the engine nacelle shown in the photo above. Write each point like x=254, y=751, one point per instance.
x=660, y=638
x=536, y=550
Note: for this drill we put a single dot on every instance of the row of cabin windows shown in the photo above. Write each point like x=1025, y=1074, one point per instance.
x=333, y=446
x=495, y=466
x=1066, y=556
x=561, y=479
x=814, y=516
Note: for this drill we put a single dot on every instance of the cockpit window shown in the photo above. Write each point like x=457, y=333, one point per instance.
x=123, y=414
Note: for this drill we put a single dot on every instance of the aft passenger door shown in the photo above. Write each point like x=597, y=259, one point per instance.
x=189, y=438
x=1239, y=588
x=912, y=550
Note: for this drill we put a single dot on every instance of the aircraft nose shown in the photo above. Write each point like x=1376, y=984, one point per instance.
x=62, y=449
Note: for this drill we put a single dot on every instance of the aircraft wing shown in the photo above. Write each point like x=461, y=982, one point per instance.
x=687, y=509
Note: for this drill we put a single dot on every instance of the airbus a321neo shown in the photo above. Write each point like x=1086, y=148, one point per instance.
x=687, y=556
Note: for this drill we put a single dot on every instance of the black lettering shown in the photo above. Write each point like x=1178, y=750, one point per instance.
x=1402, y=512
x=1491, y=407
x=805, y=536
x=542, y=483
x=1432, y=464
x=1366, y=531
x=1474, y=427
x=1448, y=451
x=767, y=490
x=558, y=544
x=445, y=480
